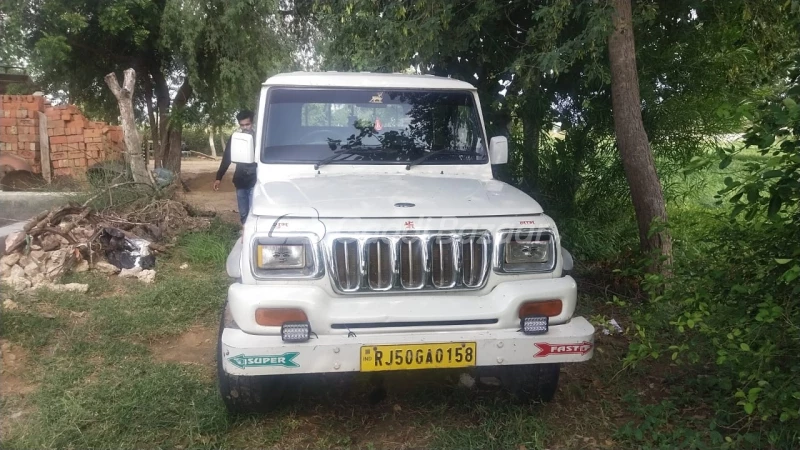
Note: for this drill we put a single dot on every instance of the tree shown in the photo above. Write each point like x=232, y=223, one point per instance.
x=697, y=60
x=210, y=55
x=640, y=168
x=133, y=142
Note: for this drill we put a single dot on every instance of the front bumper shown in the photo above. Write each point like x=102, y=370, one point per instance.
x=248, y=354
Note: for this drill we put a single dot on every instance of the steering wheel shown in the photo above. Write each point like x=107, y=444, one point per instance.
x=312, y=138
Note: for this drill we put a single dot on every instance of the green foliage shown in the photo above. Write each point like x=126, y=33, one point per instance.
x=196, y=139
x=224, y=49
x=734, y=299
x=695, y=59
x=663, y=426
x=771, y=186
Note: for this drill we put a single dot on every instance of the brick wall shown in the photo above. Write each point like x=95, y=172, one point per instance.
x=75, y=142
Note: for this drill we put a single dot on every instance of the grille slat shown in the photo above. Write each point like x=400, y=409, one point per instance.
x=411, y=262
x=380, y=264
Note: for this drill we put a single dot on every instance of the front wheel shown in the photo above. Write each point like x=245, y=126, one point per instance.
x=247, y=394
x=531, y=382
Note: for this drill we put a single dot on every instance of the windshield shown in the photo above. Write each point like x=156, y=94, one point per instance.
x=370, y=126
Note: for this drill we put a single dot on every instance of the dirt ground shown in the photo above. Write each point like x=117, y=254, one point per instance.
x=196, y=346
x=198, y=175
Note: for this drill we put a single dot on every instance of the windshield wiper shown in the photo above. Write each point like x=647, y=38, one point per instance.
x=444, y=151
x=348, y=152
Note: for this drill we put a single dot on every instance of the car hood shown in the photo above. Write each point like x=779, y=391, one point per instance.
x=386, y=196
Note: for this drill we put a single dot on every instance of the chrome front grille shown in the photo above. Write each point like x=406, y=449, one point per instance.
x=441, y=261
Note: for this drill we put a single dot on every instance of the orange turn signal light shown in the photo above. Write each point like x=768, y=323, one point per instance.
x=275, y=317
x=548, y=308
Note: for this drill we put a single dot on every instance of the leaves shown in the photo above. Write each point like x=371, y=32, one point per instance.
x=744, y=347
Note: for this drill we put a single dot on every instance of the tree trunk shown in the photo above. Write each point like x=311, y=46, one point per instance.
x=163, y=103
x=532, y=115
x=211, y=141
x=133, y=142
x=151, y=116
x=172, y=157
x=532, y=131
x=172, y=160
x=634, y=147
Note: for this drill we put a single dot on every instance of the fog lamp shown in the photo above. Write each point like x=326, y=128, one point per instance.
x=534, y=324
x=295, y=331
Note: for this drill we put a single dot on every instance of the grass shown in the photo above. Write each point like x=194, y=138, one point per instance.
x=209, y=247
x=99, y=379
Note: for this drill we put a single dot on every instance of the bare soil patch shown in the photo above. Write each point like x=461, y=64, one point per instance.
x=13, y=380
x=195, y=346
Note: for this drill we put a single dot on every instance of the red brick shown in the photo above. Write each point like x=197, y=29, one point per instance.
x=94, y=146
x=58, y=131
x=55, y=123
x=78, y=122
x=79, y=162
x=62, y=172
x=58, y=140
x=75, y=138
x=52, y=114
x=75, y=154
x=28, y=138
x=22, y=113
x=6, y=137
x=28, y=122
x=91, y=132
x=66, y=116
x=7, y=122
x=38, y=103
x=10, y=130
x=58, y=156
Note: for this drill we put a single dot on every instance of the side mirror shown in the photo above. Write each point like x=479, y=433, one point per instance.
x=242, y=148
x=498, y=150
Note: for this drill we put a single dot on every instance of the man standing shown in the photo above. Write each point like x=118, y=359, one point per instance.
x=244, y=178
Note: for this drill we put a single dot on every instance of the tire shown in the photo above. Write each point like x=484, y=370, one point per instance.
x=531, y=382
x=247, y=394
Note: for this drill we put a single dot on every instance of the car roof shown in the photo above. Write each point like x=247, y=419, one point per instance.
x=366, y=80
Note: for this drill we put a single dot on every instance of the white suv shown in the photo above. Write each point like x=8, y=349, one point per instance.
x=378, y=240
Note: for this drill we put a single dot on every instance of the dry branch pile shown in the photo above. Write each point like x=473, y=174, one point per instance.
x=77, y=238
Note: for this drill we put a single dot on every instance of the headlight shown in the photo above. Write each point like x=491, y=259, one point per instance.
x=524, y=251
x=275, y=256
x=521, y=252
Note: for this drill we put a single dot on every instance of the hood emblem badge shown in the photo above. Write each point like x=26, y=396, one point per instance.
x=404, y=205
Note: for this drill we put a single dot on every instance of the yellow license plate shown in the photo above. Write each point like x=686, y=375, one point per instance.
x=376, y=358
